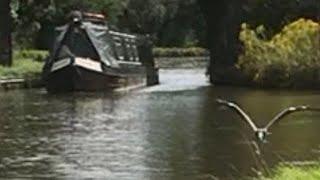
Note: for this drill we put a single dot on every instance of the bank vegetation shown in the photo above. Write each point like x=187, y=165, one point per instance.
x=27, y=64
x=290, y=172
x=291, y=58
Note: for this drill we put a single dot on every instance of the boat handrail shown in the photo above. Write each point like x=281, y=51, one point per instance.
x=122, y=35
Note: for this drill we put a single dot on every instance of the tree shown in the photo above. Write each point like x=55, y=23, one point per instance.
x=170, y=22
x=36, y=19
x=274, y=14
x=5, y=33
x=223, y=20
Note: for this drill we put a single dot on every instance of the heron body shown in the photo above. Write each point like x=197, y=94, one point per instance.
x=262, y=133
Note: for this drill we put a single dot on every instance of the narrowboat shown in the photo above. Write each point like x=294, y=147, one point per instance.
x=88, y=56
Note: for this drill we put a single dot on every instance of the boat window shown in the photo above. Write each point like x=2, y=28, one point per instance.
x=119, y=50
x=125, y=47
x=129, y=49
x=136, y=54
x=134, y=50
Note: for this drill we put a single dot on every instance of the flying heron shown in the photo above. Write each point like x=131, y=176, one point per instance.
x=261, y=133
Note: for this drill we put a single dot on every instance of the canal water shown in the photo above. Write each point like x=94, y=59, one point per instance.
x=171, y=131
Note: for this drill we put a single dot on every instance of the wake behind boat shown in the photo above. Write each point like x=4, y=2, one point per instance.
x=88, y=56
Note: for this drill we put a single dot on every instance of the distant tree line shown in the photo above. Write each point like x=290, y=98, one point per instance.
x=169, y=22
x=274, y=14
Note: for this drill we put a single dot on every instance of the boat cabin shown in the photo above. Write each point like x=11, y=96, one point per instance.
x=88, y=55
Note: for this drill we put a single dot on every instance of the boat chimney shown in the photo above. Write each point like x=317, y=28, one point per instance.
x=75, y=17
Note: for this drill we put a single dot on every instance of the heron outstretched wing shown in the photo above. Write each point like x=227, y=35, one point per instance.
x=289, y=111
x=243, y=114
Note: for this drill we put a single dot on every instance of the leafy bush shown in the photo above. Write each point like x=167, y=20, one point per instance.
x=26, y=64
x=295, y=173
x=35, y=55
x=180, y=52
x=23, y=68
x=289, y=59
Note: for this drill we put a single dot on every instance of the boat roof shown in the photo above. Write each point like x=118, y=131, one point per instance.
x=99, y=36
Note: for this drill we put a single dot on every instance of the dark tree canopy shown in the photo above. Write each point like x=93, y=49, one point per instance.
x=170, y=22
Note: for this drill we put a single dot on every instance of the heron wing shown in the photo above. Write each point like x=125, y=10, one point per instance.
x=289, y=111
x=243, y=114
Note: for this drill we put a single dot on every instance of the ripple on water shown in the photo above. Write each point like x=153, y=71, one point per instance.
x=180, y=80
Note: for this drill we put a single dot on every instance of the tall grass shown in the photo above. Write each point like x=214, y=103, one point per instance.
x=26, y=64
x=294, y=173
x=289, y=59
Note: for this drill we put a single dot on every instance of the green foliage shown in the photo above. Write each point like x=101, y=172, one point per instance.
x=295, y=173
x=35, y=16
x=35, y=55
x=170, y=22
x=110, y=8
x=180, y=52
x=290, y=59
x=22, y=68
x=146, y=16
x=26, y=64
x=281, y=12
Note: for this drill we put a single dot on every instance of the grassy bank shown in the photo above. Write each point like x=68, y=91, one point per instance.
x=26, y=64
x=180, y=52
x=291, y=58
x=295, y=173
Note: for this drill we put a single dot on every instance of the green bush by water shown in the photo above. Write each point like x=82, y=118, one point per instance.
x=295, y=173
x=21, y=68
x=32, y=54
x=26, y=64
x=290, y=59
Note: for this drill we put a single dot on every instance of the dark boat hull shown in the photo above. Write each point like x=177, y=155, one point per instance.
x=77, y=78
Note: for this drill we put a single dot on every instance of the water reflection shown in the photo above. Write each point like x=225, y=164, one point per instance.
x=173, y=131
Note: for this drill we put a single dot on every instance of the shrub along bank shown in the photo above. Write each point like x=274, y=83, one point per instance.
x=27, y=64
x=289, y=59
x=294, y=173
